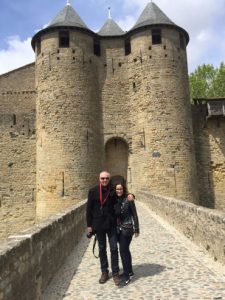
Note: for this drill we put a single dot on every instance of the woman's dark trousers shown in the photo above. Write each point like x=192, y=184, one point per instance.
x=125, y=254
x=112, y=237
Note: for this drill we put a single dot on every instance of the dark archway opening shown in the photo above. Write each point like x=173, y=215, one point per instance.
x=116, y=160
x=118, y=179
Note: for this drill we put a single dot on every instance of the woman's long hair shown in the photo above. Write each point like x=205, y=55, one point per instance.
x=124, y=189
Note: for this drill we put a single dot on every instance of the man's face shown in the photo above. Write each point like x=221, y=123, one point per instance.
x=104, y=178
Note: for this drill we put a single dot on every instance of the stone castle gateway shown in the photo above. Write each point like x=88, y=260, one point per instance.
x=109, y=100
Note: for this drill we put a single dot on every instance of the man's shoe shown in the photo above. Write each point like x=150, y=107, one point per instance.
x=104, y=277
x=116, y=278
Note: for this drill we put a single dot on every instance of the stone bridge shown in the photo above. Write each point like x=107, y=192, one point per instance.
x=180, y=254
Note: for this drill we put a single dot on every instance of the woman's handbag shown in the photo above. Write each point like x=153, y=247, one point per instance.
x=127, y=229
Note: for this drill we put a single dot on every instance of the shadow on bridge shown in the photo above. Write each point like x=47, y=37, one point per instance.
x=146, y=270
x=165, y=267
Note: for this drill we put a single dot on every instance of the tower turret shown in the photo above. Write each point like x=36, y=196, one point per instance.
x=163, y=150
x=114, y=85
x=68, y=114
x=110, y=28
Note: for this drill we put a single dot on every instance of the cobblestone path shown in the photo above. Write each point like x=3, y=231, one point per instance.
x=166, y=266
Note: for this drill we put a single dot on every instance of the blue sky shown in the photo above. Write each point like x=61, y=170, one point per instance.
x=204, y=20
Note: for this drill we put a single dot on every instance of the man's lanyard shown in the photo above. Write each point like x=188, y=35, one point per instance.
x=102, y=201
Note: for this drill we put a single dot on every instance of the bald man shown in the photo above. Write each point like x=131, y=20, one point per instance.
x=101, y=220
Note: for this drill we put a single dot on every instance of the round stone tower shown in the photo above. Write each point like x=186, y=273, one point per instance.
x=69, y=145
x=163, y=158
x=114, y=99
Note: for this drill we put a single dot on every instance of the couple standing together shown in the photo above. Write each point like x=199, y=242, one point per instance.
x=111, y=212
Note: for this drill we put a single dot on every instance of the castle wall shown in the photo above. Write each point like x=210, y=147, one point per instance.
x=85, y=107
x=203, y=226
x=21, y=79
x=69, y=143
x=17, y=151
x=210, y=157
x=162, y=141
x=30, y=260
x=114, y=97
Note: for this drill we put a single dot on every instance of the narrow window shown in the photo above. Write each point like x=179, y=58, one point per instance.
x=97, y=47
x=127, y=47
x=156, y=36
x=14, y=119
x=182, y=41
x=38, y=47
x=64, y=39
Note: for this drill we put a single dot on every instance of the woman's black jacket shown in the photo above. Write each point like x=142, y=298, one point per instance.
x=100, y=218
x=127, y=214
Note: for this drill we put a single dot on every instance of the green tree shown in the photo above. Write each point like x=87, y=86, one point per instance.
x=202, y=82
x=219, y=81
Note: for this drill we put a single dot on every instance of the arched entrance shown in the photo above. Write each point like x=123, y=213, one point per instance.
x=116, y=159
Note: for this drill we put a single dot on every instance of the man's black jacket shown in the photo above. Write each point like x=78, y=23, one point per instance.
x=100, y=218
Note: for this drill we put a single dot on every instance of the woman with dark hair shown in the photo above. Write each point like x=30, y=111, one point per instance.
x=128, y=225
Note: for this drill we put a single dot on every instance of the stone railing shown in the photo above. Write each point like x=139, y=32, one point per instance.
x=204, y=226
x=29, y=260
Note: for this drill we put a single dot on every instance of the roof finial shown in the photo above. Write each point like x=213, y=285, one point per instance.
x=68, y=2
x=109, y=8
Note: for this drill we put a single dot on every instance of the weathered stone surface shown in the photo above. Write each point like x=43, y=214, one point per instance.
x=210, y=156
x=69, y=147
x=73, y=113
x=166, y=265
x=29, y=259
x=17, y=150
x=203, y=226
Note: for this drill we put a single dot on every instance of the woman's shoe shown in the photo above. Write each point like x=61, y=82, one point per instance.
x=127, y=281
x=131, y=274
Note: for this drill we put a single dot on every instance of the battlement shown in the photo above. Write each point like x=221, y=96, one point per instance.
x=17, y=92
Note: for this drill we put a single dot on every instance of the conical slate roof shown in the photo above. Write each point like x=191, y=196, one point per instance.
x=152, y=15
x=110, y=28
x=68, y=17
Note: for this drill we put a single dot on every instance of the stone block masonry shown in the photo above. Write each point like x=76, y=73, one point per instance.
x=203, y=226
x=29, y=260
x=92, y=102
x=209, y=149
x=69, y=144
x=21, y=79
x=17, y=150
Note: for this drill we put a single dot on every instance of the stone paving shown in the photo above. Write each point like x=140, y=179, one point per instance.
x=165, y=263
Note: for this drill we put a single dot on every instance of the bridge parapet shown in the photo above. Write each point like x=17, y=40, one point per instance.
x=204, y=226
x=29, y=260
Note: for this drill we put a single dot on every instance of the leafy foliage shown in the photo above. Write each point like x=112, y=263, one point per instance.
x=208, y=82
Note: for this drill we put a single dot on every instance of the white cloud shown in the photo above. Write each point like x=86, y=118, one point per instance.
x=126, y=23
x=17, y=54
x=201, y=19
x=206, y=48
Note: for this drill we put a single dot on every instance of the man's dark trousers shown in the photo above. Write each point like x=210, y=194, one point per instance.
x=112, y=237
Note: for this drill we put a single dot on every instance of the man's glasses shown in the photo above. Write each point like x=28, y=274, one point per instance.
x=104, y=178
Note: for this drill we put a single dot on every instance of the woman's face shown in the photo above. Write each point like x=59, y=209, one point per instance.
x=119, y=190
